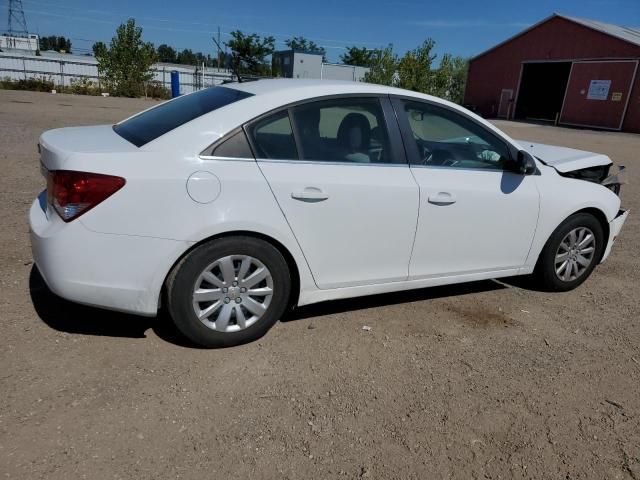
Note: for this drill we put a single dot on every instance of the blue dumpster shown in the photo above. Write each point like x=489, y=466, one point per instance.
x=175, y=84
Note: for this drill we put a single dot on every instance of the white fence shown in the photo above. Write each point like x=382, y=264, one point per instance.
x=62, y=69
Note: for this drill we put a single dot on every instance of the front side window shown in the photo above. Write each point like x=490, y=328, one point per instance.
x=445, y=138
x=342, y=130
x=153, y=123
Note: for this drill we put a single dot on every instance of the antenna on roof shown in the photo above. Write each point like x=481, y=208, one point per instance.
x=234, y=62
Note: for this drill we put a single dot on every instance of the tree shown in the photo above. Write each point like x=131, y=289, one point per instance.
x=187, y=57
x=450, y=78
x=304, y=45
x=52, y=42
x=167, y=54
x=414, y=69
x=383, y=66
x=125, y=65
x=358, y=56
x=248, y=53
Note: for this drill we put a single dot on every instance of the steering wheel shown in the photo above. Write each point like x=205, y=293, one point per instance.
x=449, y=162
x=427, y=154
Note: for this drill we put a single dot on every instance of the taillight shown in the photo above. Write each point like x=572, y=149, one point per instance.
x=73, y=193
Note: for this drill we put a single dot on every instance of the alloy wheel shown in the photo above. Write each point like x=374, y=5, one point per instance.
x=232, y=293
x=575, y=254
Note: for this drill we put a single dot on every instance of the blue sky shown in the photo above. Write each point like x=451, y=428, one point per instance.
x=462, y=27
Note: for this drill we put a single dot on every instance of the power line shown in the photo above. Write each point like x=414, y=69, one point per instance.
x=171, y=29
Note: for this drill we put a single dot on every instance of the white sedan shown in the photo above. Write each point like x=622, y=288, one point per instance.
x=234, y=203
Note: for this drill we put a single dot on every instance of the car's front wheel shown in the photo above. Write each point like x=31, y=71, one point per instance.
x=228, y=291
x=571, y=253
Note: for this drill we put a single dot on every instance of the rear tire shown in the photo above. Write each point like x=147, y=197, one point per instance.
x=228, y=291
x=571, y=253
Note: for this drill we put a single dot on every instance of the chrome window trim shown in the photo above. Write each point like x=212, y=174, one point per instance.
x=329, y=162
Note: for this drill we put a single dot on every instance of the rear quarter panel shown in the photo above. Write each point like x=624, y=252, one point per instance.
x=155, y=202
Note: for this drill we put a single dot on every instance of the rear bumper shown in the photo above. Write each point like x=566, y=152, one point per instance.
x=118, y=272
x=614, y=230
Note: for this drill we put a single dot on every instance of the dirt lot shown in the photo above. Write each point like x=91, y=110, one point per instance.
x=484, y=380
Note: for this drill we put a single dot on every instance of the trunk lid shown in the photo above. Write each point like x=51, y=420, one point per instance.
x=564, y=159
x=57, y=146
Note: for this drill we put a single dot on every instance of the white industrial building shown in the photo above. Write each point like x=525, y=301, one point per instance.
x=298, y=64
x=19, y=44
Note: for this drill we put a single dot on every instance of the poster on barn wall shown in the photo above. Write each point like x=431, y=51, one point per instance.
x=599, y=89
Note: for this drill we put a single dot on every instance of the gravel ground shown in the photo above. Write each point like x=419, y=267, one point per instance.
x=482, y=380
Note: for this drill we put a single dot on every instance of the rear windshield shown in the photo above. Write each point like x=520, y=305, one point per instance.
x=154, y=123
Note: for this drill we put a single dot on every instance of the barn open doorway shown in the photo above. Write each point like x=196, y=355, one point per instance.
x=542, y=88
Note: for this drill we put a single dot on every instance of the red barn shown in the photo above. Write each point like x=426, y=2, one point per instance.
x=566, y=70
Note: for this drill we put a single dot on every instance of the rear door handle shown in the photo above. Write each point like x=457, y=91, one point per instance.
x=442, y=198
x=310, y=194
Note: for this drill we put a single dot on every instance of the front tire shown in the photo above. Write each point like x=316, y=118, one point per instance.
x=228, y=291
x=571, y=253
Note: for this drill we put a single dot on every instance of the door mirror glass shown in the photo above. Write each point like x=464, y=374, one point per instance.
x=525, y=163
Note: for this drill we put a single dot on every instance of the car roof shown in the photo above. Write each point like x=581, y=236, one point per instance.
x=319, y=87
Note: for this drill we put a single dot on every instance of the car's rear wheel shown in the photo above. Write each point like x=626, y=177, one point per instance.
x=228, y=291
x=571, y=253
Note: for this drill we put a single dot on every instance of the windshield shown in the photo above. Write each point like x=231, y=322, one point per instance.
x=154, y=123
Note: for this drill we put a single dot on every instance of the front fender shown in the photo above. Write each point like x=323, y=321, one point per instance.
x=561, y=197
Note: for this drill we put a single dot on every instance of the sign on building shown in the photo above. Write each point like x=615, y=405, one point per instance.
x=599, y=89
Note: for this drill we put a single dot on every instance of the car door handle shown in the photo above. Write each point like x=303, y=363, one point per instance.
x=310, y=194
x=442, y=198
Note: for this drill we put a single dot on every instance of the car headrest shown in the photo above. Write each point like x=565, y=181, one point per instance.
x=354, y=132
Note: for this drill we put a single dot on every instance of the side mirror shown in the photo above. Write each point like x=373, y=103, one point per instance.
x=525, y=163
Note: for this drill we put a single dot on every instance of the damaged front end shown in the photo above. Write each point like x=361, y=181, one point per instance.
x=600, y=174
x=578, y=164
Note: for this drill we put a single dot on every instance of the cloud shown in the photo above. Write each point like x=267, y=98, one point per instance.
x=466, y=24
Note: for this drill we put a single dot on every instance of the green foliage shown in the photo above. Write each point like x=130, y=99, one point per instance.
x=414, y=68
x=359, y=56
x=383, y=66
x=414, y=71
x=167, y=54
x=43, y=84
x=156, y=90
x=59, y=44
x=83, y=86
x=450, y=78
x=305, y=45
x=125, y=65
x=248, y=53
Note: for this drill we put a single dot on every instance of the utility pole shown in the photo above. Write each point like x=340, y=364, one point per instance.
x=17, y=23
x=218, y=44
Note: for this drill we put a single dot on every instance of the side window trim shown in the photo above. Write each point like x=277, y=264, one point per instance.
x=296, y=133
x=413, y=155
x=398, y=148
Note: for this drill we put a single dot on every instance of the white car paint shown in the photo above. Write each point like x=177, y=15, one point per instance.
x=376, y=233
x=455, y=239
x=564, y=159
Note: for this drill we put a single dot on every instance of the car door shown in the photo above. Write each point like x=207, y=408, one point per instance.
x=476, y=214
x=340, y=176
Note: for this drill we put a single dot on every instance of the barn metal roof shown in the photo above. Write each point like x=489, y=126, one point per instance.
x=631, y=35
x=628, y=34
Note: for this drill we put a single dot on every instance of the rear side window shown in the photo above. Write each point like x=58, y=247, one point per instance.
x=273, y=137
x=154, y=123
x=342, y=130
